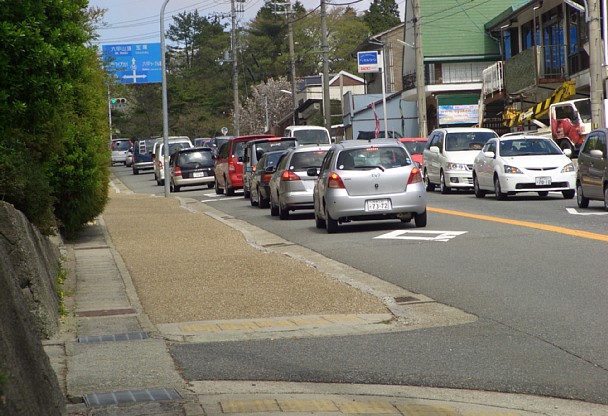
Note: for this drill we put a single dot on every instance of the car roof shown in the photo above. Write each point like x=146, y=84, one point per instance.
x=270, y=139
x=413, y=139
x=310, y=148
x=250, y=137
x=464, y=129
x=352, y=144
x=305, y=128
x=523, y=136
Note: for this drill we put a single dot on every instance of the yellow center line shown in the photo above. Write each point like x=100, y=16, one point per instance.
x=544, y=227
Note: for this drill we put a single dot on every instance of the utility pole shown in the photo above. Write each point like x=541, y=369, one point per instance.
x=596, y=72
x=420, y=87
x=292, y=63
x=165, y=156
x=235, y=69
x=292, y=58
x=325, y=47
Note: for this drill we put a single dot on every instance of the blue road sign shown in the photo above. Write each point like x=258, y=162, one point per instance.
x=368, y=61
x=136, y=63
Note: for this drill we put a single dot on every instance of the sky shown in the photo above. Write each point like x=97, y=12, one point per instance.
x=138, y=21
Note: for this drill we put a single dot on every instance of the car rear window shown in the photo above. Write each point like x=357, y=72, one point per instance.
x=193, y=158
x=121, y=145
x=373, y=157
x=415, y=148
x=261, y=148
x=306, y=160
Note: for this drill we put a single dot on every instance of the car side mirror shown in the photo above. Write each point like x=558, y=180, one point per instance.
x=490, y=155
x=434, y=149
x=312, y=172
x=568, y=152
x=597, y=153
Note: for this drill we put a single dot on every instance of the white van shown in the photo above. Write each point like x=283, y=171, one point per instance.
x=448, y=157
x=309, y=134
x=175, y=143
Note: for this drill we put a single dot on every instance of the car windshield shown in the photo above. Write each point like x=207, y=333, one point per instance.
x=373, y=157
x=528, y=147
x=461, y=141
x=415, y=148
x=311, y=137
x=193, y=158
x=174, y=147
x=306, y=160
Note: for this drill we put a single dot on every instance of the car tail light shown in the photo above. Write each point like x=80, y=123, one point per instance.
x=288, y=176
x=335, y=181
x=254, y=168
x=160, y=164
x=266, y=177
x=177, y=171
x=415, y=176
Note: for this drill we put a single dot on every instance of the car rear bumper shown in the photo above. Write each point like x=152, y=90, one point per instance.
x=193, y=181
x=297, y=200
x=342, y=206
x=143, y=165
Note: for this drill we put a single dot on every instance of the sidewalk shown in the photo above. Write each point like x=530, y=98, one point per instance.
x=129, y=303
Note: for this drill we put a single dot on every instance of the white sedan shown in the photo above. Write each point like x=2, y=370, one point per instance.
x=512, y=164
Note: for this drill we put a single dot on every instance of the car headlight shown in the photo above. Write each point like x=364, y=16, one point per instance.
x=456, y=166
x=568, y=168
x=512, y=169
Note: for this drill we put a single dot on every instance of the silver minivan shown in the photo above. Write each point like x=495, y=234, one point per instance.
x=448, y=157
x=175, y=143
x=592, y=173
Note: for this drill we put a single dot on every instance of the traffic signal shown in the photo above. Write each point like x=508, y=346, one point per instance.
x=118, y=102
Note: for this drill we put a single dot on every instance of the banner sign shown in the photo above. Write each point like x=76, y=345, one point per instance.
x=458, y=114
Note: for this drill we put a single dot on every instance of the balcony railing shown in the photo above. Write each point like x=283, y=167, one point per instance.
x=493, y=81
x=534, y=66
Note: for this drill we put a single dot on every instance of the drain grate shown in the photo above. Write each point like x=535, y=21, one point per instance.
x=278, y=245
x=116, y=337
x=130, y=396
x=106, y=312
x=406, y=299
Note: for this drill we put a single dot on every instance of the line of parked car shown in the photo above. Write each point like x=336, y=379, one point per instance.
x=378, y=179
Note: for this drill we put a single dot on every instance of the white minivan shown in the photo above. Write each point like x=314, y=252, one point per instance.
x=175, y=143
x=448, y=157
x=309, y=134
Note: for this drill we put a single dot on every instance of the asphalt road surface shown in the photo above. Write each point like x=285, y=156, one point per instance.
x=532, y=269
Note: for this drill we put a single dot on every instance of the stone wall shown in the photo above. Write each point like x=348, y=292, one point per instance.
x=29, y=266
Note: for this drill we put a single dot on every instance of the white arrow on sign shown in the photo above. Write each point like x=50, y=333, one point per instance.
x=134, y=77
x=575, y=212
x=424, y=235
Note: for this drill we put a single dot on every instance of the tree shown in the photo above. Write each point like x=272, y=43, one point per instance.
x=53, y=114
x=266, y=96
x=382, y=15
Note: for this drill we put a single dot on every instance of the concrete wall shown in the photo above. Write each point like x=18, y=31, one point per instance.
x=29, y=265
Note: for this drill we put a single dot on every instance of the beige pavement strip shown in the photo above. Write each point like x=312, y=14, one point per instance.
x=249, y=406
x=368, y=408
x=428, y=410
x=307, y=406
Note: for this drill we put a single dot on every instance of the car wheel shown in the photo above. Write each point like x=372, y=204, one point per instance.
x=229, y=190
x=580, y=197
x=429, y=186
x=478, y=192
x=210, y=185
x=420, y=220
x=246, y=193
x=442, y=186
x=253, y=200
x=543, y=193
x=157, y=179
x=135, y=171
x=319, y=222
x=283, y=213
x=569, y=194
x=274, y=208
x=331, y=225
x=500, y=196
x=262, y=202
x=218, y=190
x=606, y=198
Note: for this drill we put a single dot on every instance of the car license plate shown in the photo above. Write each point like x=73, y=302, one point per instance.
x=198, y=174
x=543, y=180
x=378, y=205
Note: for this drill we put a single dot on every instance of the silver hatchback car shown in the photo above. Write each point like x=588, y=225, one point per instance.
x=290, y=186
x=368, y=180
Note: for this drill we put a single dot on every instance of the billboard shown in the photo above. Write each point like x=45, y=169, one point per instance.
x=368, y=62
x=136, y=63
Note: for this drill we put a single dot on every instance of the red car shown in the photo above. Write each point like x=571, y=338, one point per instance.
x=229, y=164
x=415, y=147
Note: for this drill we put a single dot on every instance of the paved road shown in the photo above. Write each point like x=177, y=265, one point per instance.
x=539, y=295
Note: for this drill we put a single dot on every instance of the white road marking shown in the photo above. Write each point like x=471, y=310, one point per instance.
x=422, y=235
x=573, y=211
